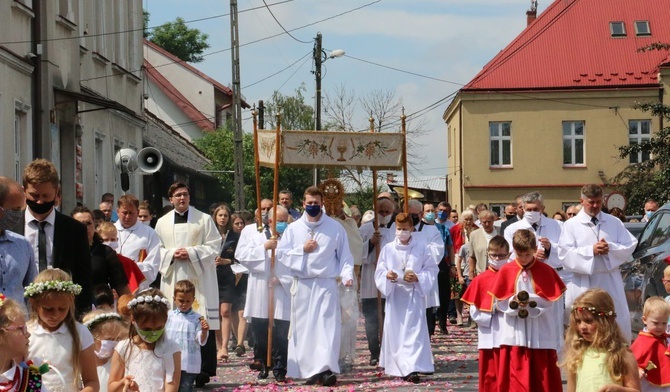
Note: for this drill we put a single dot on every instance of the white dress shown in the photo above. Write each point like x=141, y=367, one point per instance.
x=432, y=237
x=405, y=344
x=314, y=341
x=151, y=368
x=56, y=348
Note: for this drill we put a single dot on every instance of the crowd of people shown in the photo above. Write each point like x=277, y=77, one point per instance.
x=122, y=300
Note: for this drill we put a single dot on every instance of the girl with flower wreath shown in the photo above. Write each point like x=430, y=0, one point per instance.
x=57, y=337
x=597, y=356
x=147, y=361
x=108, y=328
x=16, y=375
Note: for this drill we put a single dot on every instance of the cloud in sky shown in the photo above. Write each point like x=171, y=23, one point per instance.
x=445, y=39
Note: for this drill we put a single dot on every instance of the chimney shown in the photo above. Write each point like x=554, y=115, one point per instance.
x=531, y=14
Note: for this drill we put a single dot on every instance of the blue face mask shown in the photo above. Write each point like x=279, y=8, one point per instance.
x=281, y=226
x=442, y=216
x=313, y=210
x=649, y=213
x=429, y=217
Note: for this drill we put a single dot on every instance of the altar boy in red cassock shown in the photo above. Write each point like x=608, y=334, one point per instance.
x=526, y=290
x=651, y=348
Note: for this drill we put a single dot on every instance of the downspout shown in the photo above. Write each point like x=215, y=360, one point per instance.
x=37, y=80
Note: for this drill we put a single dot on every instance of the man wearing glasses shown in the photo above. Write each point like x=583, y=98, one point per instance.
x=18, y=264
x=572, y=211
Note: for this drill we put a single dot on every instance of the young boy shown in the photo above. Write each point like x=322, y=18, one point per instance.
x=406, y=274
x=482, y=311
x=526, y=291
x=107, y=231
x=190, y=330
x=651, y=346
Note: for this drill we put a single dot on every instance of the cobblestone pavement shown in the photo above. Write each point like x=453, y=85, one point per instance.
x=455, y=357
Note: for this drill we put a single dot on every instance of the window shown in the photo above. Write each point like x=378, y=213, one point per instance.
x=573, y=143
x=642, y=28
x=617, y=29
x=498, y=209
x=662, y=232
x=21, y=128
x=501, y=143
x=101, y=165
x=639, y=131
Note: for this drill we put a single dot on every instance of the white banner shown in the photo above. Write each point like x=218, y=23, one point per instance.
x=325, y=148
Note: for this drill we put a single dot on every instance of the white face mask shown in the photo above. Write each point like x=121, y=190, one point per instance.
x=106, y=349
x=532, y=216
x=146, y=223
x=403, y=235
x=112, y=244
x=497, y=264
x=384, y=220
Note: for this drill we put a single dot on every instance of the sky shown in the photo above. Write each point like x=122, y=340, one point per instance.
x=441, y=44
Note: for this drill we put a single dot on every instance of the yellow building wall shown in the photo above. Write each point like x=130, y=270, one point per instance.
x=537, y=143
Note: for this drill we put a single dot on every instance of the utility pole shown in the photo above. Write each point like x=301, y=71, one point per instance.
x=238, y=135
x=318, y=59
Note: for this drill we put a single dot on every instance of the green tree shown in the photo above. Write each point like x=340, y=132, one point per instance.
x=295, y=113
x=186, y=43
x=145, y=24
x=650, y=178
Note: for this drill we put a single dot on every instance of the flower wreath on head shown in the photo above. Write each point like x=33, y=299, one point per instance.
x=147, y=299
x=594, y=311
x=65, y=286
x=90, y=324
x=2, y=299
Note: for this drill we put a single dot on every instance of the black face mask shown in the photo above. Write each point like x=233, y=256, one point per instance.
x=510, y=216
x=40, y=209
x=415, y=219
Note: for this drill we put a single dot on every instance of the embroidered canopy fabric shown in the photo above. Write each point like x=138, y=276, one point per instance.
x=325, y=148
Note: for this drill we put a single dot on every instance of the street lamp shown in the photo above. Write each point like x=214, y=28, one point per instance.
x=320, y=56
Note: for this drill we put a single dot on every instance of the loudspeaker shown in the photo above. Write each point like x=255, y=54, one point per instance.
x=126, y=160
x=149, y=160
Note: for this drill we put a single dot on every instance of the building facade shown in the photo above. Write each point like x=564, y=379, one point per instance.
x=71, y=91
x=550, y=111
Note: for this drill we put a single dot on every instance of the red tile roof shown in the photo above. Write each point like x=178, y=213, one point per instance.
x=177, y=60
x=570, y=46
x=178, y=98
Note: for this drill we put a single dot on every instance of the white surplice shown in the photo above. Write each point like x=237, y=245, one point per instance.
x=314, y=340
x=202, y=242
x=550, y=229
x=405, y=344
x=432, y=237
x=575, y=249
x=251, y=253
x=387, y=232
x=141, y=244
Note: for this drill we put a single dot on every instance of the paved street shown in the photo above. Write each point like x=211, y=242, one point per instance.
x=455, y=369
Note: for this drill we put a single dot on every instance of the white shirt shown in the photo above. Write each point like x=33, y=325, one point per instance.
x=133, y=240
x=185, y=330
x=31, y=229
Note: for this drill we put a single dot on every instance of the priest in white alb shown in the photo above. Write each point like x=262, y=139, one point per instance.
x=315, y=252
x=190, y=243
x=406, y=273
x=593, y=245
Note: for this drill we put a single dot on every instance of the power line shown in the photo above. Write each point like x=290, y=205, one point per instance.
x=278, y=72
x=403, y=71
x=148, y=28
x=282, y=27
x=254, y=41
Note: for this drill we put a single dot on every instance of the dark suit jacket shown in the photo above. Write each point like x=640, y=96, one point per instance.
x=71, y=253
x=506, y=223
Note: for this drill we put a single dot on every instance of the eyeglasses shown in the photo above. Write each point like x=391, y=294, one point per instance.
x=498, y=255
x=23, y=328
x=571, y=214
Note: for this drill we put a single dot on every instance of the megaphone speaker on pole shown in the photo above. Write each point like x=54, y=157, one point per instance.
x=149, y=160
x=126, y=161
